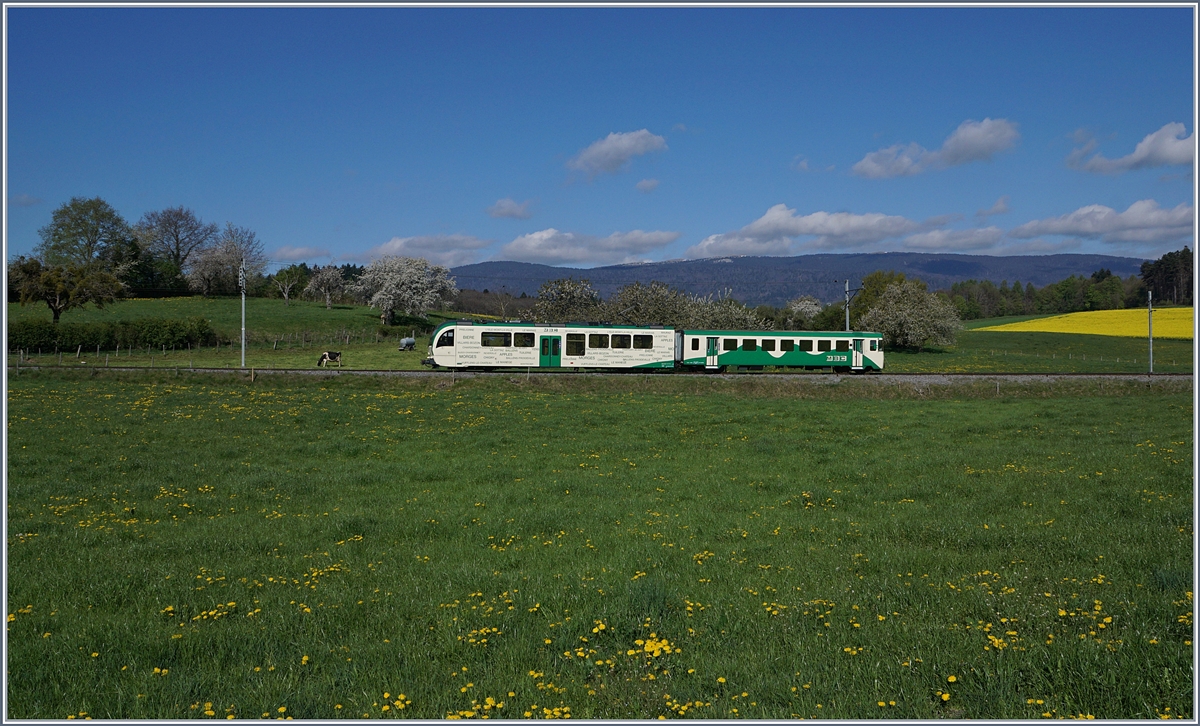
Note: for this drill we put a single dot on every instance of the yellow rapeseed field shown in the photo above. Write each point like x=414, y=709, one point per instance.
x=1130, y=323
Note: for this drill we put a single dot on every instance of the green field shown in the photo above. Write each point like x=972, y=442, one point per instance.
x=294, y=337
x=204, y=546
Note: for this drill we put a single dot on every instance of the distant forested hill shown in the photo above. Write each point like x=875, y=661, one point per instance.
x=775, y=280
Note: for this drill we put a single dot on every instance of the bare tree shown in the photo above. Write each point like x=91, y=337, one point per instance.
x=326, y=282
x=175, y=234
x=286, y=280
x=214, y=271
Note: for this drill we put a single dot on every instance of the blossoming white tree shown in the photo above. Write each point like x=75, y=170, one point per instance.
x=408, y=285
x=325, y=282
x=910, y=317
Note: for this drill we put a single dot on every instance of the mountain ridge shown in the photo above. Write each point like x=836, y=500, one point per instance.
x=756, y=280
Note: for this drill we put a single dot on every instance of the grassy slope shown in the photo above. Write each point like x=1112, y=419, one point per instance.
x=268, y=319
x=371, y=533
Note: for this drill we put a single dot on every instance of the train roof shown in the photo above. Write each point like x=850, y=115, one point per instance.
x=531, y=323
x=686, y=331
x=788, y=333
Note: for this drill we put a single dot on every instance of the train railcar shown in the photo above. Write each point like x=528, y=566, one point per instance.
x=716, y=350
x=469, y=344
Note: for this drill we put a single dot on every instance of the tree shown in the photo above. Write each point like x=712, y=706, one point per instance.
x=566, y=300
x=79, y=231
x=214, y=270
x=872, y=288
x=910, y=317
x=799, y=313
x=638, y=304
x=325, y=282
x=62, y=287
x=1170, y=277
x=288, y=279
x=406, y=284
x=831, y=317
x=176, y=234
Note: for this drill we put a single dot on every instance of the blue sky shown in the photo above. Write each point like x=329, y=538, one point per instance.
x=581, y=137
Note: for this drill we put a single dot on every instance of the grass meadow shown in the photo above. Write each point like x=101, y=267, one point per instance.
x=294, y=337
x=614, y=547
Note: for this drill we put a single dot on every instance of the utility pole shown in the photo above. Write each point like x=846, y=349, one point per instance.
x=850, y=296
x=242, y=285
x=1150, y=325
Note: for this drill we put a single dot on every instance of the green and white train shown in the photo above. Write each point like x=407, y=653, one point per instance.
x=467, y=344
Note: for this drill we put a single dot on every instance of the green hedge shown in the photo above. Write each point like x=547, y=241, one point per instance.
x=30, y=335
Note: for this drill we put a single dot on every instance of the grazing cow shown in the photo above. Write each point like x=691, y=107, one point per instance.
x=330, y=356
x=408, y=343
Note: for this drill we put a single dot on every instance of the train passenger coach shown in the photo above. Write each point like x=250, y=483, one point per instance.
x=754, y=349
x=467, y=344
x=470, y=344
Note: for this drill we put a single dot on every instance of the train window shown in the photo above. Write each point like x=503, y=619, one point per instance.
x=447, y=339
x=768, y=345
x=575, y=344
x=597, y=340
x=806, y=345
x=823, y=345
x=522, y=340
x=787, y=346
x=643, y=341
x=874, y=345
x=730, y=344
x=843, y=345
x=495, y=340
x=545, y=346
x=695, y=344
x=749, y=344
x=621, y=341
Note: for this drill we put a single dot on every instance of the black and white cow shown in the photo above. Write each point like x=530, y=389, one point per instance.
x=330, y=356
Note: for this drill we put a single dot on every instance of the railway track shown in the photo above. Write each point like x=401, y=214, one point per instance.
x=816, y=378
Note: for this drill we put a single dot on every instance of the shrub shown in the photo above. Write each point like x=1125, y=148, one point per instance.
x=153, y=332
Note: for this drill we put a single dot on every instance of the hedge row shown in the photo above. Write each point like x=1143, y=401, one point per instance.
x=31, y=335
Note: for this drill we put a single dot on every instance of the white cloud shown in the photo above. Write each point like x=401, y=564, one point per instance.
x=647, y=185
x=893, y=161
x=550, y=246
x=614, y=151
x=1165, y=147
x=440, y=249
x=954, y=240
x=1000, y=207
x=509, y=208
x=24, y=200
x=1144, y=222
x=971, y=141
x=978, y=141
x=775, y=232
x=287, y=253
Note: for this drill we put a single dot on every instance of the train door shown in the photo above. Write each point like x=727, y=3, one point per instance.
x=710, y=353
x=858, y=354
x=551, y=352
